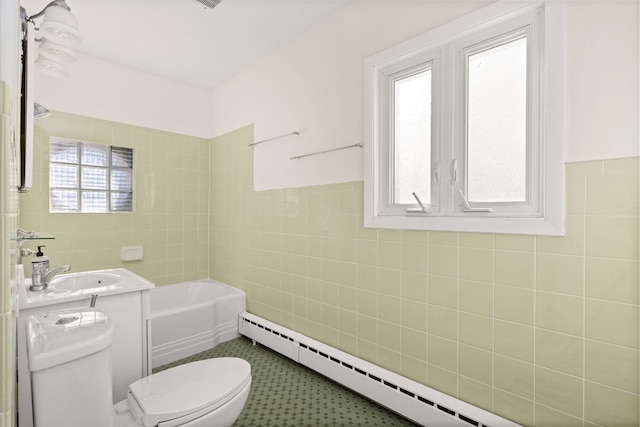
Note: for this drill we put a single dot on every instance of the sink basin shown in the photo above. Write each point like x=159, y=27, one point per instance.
x=96, y=280
x=80, y=285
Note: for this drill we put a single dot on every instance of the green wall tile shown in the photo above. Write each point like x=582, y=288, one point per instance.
x=390, y=308
x=443, y=291
x=612, y=365
x=414, y=314
x=546, y=416
x=389, y=334
x=572, y=243
x=442, y=379
x=609, y=406
x=389, y=281
x=414, y=286
x=513, y=407
x=476, y=264
x=558, y=312
x=514, y=242
x=414, y=343
x=476, y=330
x=612, y=279
x=610, y=322
x=475, y=363
x=601, y=200
x=514, y=268
x=514, y=304
x=415, y=257
x=514, y=376
x=560, y=391
x=560, y=273
x=443, y=322
x=443, y=260
x=560, y=352
x=476, y=297
x=413, y=368
x=475, y=392
x=612, y=237
x=442, y=353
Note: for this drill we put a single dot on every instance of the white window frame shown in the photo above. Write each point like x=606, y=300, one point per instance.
x=544, y=212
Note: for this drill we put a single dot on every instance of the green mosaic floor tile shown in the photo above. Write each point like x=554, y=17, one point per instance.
x=284, y=393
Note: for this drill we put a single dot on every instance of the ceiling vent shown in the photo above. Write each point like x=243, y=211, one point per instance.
x=209, y=3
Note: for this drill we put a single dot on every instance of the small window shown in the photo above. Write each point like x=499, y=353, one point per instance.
x=463, y=125
x=85, y=177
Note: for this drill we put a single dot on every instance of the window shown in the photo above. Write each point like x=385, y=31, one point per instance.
x=86, y=177
x=463, y=125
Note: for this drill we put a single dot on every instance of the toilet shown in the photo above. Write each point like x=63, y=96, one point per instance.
x=70, y=363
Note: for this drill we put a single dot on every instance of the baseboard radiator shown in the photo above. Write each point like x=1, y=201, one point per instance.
x=409, y=398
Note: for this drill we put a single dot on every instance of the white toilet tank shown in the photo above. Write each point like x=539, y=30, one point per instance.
x=70, y=364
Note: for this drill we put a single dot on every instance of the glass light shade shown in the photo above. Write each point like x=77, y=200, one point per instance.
x=39, y=111
x=56, y=52
x=51, y=68
x=60, y=26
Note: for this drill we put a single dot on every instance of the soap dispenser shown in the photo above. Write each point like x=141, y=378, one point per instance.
x=39, y=267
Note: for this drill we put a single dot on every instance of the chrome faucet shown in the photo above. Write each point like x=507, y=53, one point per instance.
x=40, y=282
x=49, y=275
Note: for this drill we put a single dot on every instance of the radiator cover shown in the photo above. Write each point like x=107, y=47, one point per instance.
x=408, y=398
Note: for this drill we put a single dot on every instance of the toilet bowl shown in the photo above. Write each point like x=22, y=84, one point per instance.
x=70, y=363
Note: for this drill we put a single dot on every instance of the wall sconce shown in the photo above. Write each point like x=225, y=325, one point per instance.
x=58, y=32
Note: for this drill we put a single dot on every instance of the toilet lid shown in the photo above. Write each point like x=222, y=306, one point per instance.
x=184, y=389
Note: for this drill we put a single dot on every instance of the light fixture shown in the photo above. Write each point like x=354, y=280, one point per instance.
x=51, y=68
x=56, y=52
x=40, y=111
x=59, y=25
x=58, y=32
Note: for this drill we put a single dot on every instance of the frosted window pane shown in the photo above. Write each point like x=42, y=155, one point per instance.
x=63, y=200
x=121, y=180
x=94, y=178
x=412, y=138
x=94, y=201
x=122, y=157
x=65, y=152
x=63, y=176
x=121, y=202
x=95, y=155
x=497, y=124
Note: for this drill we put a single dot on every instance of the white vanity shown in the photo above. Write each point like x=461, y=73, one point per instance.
x=122, y=294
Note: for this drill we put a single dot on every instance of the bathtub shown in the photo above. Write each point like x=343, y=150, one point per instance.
x=190, y=317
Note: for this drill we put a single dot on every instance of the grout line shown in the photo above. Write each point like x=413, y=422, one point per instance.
x=584, y=295
x=535, y=321
x=458, y=343
x=493, y=320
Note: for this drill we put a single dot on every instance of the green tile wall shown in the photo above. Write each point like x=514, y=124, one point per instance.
x=542, y=330
x=171, y=203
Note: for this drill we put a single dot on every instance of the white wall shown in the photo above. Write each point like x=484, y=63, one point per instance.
x=603, y=75
x=314, y=84
x=105, y=90
x=10, y=43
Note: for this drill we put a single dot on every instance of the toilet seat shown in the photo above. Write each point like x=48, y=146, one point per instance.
x=188, y=391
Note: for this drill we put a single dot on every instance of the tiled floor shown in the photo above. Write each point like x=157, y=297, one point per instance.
x=284, y=393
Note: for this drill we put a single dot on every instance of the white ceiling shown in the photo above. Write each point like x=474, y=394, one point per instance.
x=186, y=41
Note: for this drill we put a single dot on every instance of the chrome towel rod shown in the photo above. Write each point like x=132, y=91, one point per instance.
x=275, y=137
x=326, y=151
